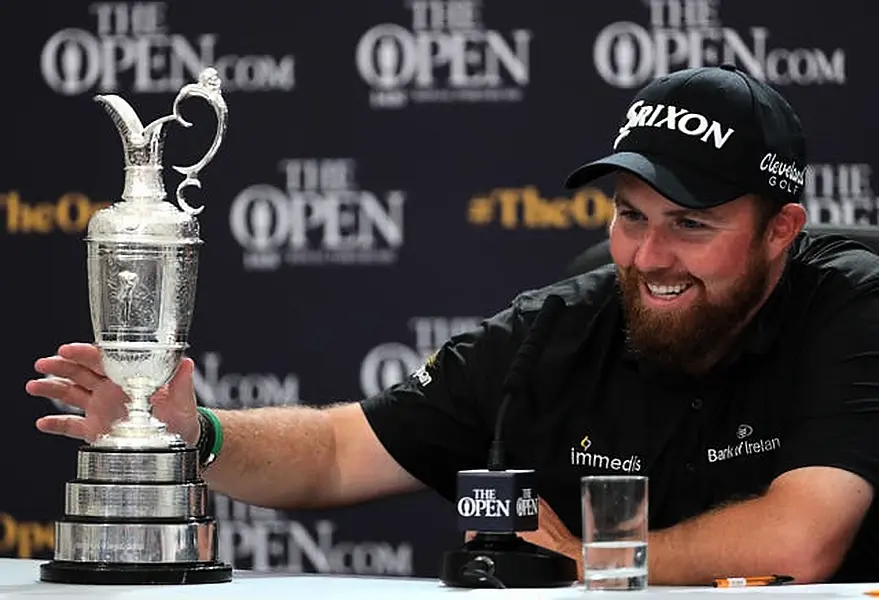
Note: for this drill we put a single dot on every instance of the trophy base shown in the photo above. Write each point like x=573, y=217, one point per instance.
x=59, y=571
x=136, y=517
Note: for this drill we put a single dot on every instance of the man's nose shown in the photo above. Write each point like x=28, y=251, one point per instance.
x=654, y=252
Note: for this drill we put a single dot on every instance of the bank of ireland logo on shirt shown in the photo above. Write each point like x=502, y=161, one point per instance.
x=582, y=455
x=745, y=447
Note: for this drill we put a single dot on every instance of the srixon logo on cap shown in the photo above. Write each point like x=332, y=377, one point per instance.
x=677, y=119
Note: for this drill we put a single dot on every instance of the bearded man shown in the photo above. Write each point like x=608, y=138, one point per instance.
x=720, y=325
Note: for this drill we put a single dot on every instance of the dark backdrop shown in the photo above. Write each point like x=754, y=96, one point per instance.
x=392, y=172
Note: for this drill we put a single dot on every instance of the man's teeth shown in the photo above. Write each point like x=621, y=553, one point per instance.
x=667, y=290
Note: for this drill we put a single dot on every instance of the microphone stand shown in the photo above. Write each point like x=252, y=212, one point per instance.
x=505, y=560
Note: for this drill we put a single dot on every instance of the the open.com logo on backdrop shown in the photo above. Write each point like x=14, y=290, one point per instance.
x=320, y=216
x=390, y=363
x=685, y=34
x=526, y=208
x=444, y=54
x=132, y=41
x=841, y=194
x=263, y=539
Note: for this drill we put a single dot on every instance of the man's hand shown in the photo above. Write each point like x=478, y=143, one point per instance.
x=803, y=526
x=553, y=535
x=76, y=377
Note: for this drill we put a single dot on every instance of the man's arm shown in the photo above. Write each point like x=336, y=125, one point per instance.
x=802, y=526
x=332, y=458
x=805, y=522
x=412, y=435
x=416, y=434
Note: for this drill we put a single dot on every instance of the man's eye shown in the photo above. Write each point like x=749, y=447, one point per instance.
x=690, y=224
x=631, y=215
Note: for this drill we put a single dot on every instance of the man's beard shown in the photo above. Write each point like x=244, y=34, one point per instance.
x=684, y=339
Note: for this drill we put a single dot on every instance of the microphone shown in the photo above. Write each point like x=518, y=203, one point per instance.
x=497, y=502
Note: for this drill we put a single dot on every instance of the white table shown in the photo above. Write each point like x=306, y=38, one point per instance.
x=20, y=578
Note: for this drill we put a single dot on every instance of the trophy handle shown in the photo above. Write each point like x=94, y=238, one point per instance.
x=208, y=87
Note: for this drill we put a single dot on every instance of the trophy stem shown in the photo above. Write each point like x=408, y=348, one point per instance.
x=139, y=429
x=139, y=411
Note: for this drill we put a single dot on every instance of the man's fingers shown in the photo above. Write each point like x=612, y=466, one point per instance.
x=59, y=388
x=182, y=377
x=71, y=426
x=108, y=401
x=86, y=354
x=62, y=367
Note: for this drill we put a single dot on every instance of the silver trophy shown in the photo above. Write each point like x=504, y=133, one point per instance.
x=137, y=511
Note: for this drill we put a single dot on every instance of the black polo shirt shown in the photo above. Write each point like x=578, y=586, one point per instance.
x=800, y=388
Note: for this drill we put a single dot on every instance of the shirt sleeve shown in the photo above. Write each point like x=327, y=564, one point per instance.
x=838, y=425
x=440, y=419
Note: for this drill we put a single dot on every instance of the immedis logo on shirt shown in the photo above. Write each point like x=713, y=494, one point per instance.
x=581, y=456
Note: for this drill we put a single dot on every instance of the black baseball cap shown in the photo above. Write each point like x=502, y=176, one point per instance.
x=704, y=136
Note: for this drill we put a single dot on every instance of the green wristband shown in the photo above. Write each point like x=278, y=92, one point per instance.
x=218, y=431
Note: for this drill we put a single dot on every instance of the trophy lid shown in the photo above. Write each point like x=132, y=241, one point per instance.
x=142, y=216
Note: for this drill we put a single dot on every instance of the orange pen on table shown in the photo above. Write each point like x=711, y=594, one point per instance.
x=737, y=582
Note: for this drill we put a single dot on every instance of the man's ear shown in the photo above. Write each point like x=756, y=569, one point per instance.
x=784, y=227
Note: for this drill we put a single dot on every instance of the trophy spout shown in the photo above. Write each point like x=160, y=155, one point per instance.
x=142, y=145
x=126, y=120
x=142, y=149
